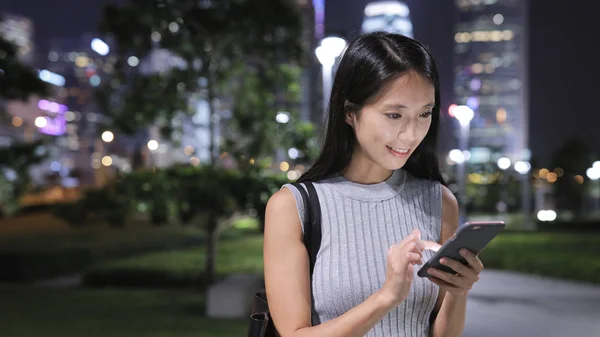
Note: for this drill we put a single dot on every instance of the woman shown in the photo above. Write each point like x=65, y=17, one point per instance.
x=383, y=202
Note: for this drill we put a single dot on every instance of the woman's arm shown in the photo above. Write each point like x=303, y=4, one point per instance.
x=287, y=280
x=450, y=308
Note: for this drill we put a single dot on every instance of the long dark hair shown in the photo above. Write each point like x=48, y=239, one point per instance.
x=369, y=63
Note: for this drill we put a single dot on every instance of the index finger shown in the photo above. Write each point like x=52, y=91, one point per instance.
x=431, y=245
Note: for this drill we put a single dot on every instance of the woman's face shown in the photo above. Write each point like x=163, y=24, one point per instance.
x=390, y=128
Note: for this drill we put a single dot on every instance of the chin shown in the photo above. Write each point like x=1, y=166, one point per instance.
x=394, y=164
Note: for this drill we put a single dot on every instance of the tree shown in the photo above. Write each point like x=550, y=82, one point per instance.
x=17, y=82
x=253, y=132
x=208, y=41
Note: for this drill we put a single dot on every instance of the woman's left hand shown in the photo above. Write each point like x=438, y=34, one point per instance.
x=461, y=282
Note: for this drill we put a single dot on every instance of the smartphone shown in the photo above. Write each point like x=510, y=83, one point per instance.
x=473, y=236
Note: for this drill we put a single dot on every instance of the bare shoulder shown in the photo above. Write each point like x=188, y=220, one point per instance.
x=281, y=207
x=286, y=264
x=450, y=213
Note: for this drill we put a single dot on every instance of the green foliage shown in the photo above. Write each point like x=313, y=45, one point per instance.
x=572, y=256
x=260, y=93
x=17, y=81
x=105, y=204
x=206, y=42
x=15, y=161
x=201, y=196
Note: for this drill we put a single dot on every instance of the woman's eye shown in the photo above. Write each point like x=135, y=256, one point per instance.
x=394, y=116
x=426, y=114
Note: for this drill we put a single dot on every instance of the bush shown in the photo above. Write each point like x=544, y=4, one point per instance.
x=574, y=256
x=103, y=204
x=138, y=278
x=74, y=214
x=24, y=267
x=571, y=225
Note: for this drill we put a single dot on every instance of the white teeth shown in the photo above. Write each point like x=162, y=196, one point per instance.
x=398, y=150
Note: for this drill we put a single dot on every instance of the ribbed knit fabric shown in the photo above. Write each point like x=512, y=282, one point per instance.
x=359, y=224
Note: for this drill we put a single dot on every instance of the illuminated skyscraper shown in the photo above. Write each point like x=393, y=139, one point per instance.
x=389, y=16
x=490, y=73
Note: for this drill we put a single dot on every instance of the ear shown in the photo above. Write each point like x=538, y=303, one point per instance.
x=349, y=118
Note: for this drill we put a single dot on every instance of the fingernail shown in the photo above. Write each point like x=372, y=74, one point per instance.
x=443, y=261
x=463, y=252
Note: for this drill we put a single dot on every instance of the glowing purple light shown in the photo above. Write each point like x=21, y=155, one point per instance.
x=52, y=106
x=475, y=84
x=56, y=125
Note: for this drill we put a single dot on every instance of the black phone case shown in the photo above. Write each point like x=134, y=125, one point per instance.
x=473, y=236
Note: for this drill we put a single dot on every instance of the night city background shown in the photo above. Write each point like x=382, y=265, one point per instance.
x=134, y=177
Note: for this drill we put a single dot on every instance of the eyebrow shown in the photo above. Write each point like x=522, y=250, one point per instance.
x=402, y=106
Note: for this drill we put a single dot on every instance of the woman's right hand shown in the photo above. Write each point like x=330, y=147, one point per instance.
x=401, y=260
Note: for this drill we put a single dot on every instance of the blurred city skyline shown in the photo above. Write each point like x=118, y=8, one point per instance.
x=561, y=61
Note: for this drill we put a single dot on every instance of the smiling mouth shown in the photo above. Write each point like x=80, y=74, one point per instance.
x=397, y=150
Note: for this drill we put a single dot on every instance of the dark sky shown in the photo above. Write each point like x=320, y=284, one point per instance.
x=564, y=59
x=57, y=18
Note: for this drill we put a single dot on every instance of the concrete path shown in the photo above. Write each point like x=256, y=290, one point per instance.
x=511, y=304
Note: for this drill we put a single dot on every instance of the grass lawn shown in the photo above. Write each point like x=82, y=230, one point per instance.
x=565, y=255
x=33, y=312
x=41, y=246
x=180, y=267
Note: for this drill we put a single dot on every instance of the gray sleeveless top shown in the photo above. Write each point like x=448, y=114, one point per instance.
x=359, y=224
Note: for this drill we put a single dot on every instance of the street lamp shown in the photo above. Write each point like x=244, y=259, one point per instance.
x=523, y=168
x=503, y=164
x=329, y=50
x=464, y=115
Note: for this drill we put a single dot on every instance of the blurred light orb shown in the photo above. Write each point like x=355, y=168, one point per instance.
x=107, y=161
x=133, y=61
x=504, y=163
x=546, y=215
x=456, y=156
x=522, y=167
x=108, y=136
x=152, y=145
x=41, y=122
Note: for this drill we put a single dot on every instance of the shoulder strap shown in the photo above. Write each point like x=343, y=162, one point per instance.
x=312, y=216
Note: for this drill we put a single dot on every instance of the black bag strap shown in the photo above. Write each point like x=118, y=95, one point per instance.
x=312, y=215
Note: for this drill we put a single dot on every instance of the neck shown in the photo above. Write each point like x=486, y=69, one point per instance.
x=362, y=170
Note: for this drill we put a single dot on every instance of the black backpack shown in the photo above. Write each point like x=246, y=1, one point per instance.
x=261, y=324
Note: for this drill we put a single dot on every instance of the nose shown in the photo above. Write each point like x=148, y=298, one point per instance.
x=408, y=131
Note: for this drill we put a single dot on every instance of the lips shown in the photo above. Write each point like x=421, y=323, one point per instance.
x=398, y=152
